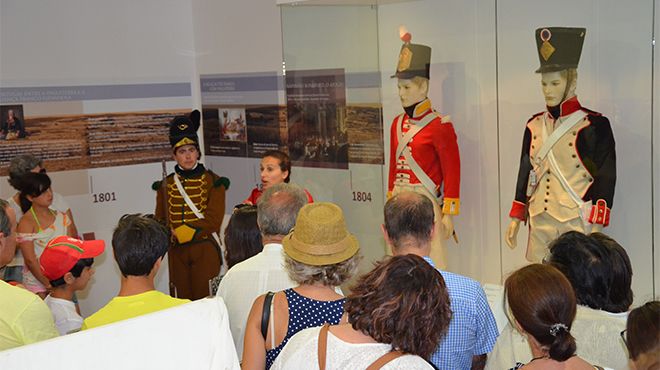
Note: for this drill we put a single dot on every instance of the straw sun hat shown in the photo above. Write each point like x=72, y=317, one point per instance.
x=320, y=236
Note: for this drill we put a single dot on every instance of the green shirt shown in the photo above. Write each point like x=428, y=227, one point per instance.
x=121, y=308
x=24, y=317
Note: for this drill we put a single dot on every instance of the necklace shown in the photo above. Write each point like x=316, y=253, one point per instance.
x=538, y=358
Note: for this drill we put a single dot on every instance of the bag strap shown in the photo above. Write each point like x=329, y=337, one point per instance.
x=265, y=315
x=323, y=345
x=385, y=359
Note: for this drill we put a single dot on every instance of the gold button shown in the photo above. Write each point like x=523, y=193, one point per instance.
x=577, y=165
x=574, y=156
x=570, y=144
x=574, y=133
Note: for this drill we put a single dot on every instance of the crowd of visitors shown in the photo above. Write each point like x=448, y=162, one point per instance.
x=288, y=294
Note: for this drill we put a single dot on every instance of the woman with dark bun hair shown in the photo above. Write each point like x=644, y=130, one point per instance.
x=543, y=305
x=275, y=169
x=642, y=336
x=397, y=315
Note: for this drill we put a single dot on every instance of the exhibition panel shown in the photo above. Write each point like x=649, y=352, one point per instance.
x=335, y=127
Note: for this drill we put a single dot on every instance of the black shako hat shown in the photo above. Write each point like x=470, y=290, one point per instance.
x=559, y=48
x=414, y=60
x=183, y=130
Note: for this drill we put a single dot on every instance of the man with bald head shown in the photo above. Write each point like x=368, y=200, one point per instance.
x=277, y=210
x=24, y=317
x=409, y=229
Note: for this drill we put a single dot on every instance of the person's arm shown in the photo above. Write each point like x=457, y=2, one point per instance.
x=602, y=168
x=518, y=208
x=485, y=328
x=72, y=230
x=446, y=148
x=29, y=256
x=479, y=362
x=518, y=211
x=254, y=344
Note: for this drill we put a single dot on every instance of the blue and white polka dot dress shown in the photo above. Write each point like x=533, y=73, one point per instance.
x=306, y=313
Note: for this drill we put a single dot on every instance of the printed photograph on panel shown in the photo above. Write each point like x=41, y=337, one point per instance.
x=232, y=124
x=70, y=142
x=225, y=132
x=12, y=122
x=266, y=127
x=316, y=110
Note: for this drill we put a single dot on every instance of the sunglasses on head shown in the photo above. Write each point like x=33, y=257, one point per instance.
x=241, y=206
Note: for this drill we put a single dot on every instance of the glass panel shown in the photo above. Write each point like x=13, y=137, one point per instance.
x=334, y=113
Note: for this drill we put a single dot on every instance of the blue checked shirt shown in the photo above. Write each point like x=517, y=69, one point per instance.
x=472, y=330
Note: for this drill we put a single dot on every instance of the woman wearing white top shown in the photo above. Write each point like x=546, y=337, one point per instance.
x=37, y=227
x=18, y=167
x=400, y=310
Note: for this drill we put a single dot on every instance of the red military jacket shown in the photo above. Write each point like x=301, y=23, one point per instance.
x=434, y=148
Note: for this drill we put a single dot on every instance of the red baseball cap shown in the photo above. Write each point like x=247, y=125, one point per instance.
x=63, y=252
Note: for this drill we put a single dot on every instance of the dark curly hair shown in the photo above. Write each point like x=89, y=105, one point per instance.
x=585, y=262
x=620, y=292
x=404, y=302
